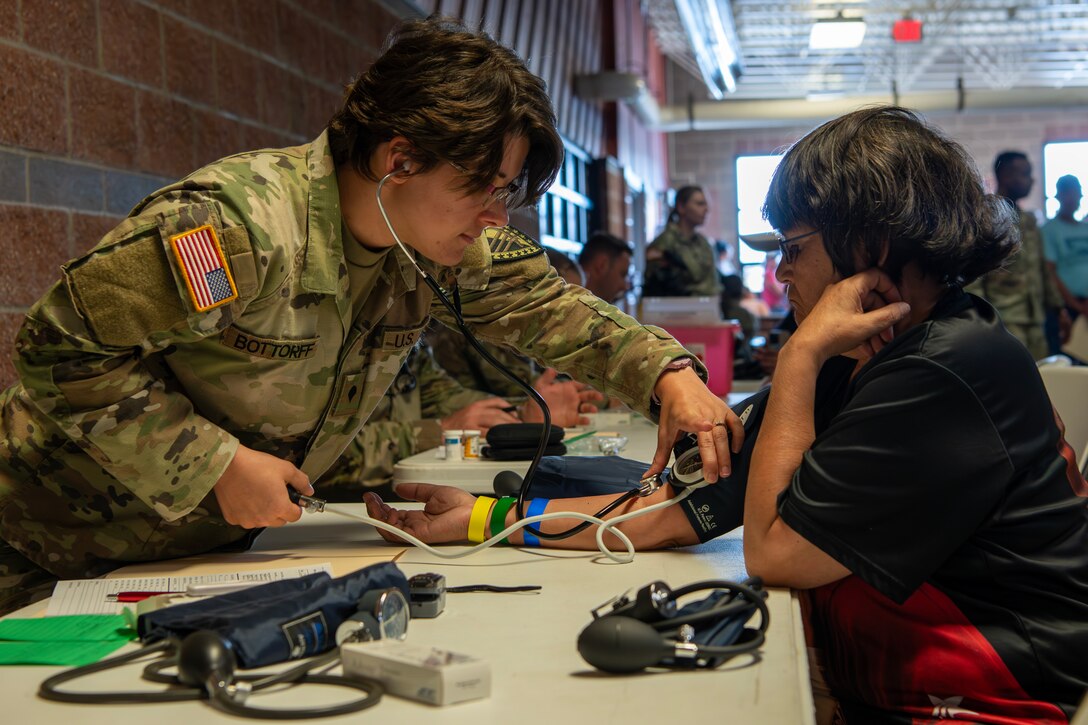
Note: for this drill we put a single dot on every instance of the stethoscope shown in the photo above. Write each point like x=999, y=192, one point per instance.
x=648, y=485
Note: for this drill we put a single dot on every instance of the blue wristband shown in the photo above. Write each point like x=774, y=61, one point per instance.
x=536, y=507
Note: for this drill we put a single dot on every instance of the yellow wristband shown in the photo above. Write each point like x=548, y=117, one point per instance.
x=477, y=522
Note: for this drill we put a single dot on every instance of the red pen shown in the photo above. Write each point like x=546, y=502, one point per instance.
x=128, y=597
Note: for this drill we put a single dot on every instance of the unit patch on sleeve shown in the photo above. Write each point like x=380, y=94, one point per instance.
x=508, y=244
x=205, y=268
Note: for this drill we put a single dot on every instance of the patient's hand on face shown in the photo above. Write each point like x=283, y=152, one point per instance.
x=854, y=317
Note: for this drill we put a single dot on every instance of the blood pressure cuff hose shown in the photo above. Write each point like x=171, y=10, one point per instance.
x=281, y=620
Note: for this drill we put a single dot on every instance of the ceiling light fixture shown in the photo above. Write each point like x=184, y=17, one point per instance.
x=709, y=26
x=836, y=33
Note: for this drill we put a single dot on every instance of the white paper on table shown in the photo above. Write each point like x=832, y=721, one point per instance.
x=88, y=596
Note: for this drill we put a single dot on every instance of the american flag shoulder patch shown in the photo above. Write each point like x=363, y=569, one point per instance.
x=204, y=267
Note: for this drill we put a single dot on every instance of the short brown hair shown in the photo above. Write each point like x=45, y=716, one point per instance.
x=457, y=95
x=601, y=242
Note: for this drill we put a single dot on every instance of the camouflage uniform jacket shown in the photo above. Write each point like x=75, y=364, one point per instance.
x=678, y=266
x=134, y=393
x=1023, y=290
x=406, y=421
x=469, y=368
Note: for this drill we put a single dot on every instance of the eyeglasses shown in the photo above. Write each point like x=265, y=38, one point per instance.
x=501, y=194
x=789, y=247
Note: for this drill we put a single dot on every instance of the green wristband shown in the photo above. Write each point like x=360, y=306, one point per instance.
x=498, y=515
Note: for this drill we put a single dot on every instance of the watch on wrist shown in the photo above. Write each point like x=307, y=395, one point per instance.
x=679, y=363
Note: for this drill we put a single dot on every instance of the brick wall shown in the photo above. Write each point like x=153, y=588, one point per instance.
x=106, y=100
x=708, y=157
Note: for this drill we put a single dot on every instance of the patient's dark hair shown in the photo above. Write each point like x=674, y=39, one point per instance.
x=882, y=175
x=457, y=96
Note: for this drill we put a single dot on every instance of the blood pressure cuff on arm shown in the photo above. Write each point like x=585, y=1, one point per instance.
x=719, y=508
x=278, y=621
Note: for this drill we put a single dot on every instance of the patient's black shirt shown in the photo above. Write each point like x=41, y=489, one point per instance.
x=940, y=478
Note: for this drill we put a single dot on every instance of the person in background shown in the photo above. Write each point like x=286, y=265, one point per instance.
x=773, y=294
x=461, y=361
x=423, y=401
x=754, y=304
x=732, y=309
x=765, y=353
x=906, y=470
x=568, y=269
x=1065, y=244
x=606, y=261
x=745, y=366
x=1023, y=291
x=680, y=262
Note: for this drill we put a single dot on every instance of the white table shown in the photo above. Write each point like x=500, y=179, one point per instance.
x=529, y=641
x=478, y=475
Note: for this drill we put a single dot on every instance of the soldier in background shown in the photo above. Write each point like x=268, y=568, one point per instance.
x=1023, y=291
x=461, y=361
x=681, y=262
x=606, y=261
x=423, y=401
x=229, y=339
x=1065, y=242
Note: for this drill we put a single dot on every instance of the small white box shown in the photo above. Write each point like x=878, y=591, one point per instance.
x=665, y=311
x=426, y=674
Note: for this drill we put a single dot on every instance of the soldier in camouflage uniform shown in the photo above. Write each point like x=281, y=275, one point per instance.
x=681, y=262
x=407, y=420
x=1023, y=291
x=470, y=369
x=230, y=337
x=422, y=401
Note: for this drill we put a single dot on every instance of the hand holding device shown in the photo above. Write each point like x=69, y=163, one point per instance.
x=250, y=492
x=688, y=406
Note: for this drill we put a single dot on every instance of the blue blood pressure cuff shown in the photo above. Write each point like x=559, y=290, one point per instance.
x=719, y=508
x=278, y=621
x=571, y=476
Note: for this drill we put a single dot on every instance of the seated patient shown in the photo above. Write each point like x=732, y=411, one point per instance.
x=908, y=470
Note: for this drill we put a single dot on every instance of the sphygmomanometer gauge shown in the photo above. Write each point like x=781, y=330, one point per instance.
x=382, y=614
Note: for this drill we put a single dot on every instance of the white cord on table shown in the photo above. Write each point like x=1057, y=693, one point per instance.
x=602, y=526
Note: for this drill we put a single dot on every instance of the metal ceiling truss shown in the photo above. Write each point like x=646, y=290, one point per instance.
x=979, y=44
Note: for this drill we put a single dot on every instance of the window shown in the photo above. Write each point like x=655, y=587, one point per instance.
x=753, y=180
x=1060, y=159
x=564, y=209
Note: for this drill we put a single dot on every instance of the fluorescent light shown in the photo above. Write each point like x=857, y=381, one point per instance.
x=709, y=27
x=836, y=33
